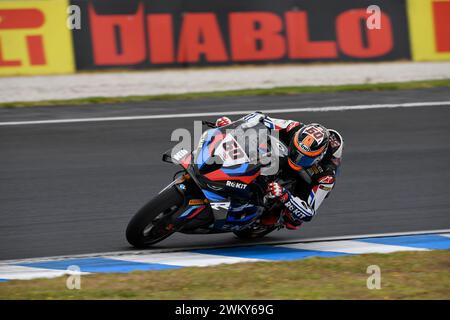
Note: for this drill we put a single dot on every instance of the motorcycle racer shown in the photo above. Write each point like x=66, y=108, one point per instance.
x=315, y=154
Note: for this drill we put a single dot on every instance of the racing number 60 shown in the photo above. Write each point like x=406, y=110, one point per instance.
x=317, y=132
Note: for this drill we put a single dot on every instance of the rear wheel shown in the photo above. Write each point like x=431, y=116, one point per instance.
x=151, y=224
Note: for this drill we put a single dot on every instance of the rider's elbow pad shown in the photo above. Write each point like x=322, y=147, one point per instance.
x=320, y=192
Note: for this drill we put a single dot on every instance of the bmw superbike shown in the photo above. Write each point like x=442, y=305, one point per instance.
x=228, y=166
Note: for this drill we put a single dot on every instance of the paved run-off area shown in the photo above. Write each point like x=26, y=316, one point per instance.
x=157, y=82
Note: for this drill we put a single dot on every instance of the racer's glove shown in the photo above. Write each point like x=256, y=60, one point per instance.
x=223, y=121
x=297, y=209
x=275, y=190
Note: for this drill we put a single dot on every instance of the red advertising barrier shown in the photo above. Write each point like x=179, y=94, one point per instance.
x=150, y=33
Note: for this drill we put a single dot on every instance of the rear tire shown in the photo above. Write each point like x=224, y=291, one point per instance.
x=150, y=224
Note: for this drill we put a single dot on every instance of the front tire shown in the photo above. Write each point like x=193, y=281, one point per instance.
x=151, y=224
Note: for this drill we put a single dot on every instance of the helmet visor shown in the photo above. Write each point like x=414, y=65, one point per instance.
x=301, y=160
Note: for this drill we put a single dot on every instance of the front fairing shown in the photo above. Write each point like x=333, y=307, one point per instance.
x=221, y=180
x=227, y=165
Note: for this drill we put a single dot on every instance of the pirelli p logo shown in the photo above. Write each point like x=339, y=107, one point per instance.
x=34, y=38
x=20, y=19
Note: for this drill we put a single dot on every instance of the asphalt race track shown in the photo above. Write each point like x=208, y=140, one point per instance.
x=70, y=188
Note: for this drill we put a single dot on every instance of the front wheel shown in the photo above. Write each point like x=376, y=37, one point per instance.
x=151, y=224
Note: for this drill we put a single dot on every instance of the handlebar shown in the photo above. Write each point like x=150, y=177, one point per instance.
x=209, y=124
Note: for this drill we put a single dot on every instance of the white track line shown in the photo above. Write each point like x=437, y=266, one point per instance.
x=12, y=272
x=350, y=246
x=184, y=259
x=230, y=113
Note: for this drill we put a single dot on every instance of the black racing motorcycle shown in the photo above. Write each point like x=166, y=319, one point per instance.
x=222, y=170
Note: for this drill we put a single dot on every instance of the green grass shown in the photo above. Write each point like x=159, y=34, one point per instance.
x=405, y=275
x=237, y=93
